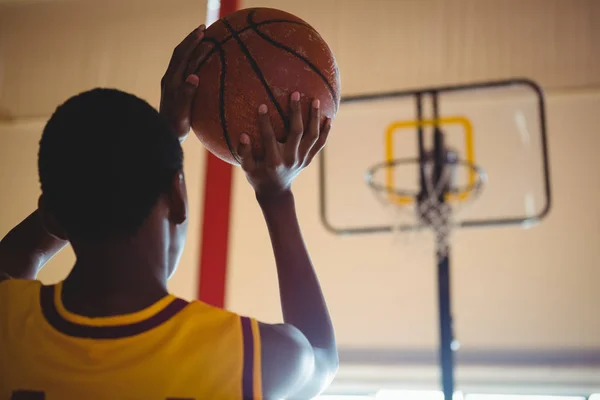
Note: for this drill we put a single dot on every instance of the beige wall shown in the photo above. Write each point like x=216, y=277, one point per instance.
x=541, y=296
x=51, y=50
x=392, y=44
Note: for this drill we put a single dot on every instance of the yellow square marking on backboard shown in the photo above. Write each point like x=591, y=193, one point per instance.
x=469, y=153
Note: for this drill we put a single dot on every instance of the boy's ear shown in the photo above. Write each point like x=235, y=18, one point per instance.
x=178, y=210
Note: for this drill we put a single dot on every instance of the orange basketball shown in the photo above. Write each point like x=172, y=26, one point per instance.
x=259, y=56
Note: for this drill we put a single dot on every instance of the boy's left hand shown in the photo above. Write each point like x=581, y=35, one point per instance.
x=274, y=174
x=178, y=87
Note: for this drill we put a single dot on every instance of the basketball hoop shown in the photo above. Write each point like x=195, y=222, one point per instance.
x=430, y=205
x=433, y=191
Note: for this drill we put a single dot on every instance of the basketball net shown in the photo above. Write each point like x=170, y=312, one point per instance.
x=427, y=212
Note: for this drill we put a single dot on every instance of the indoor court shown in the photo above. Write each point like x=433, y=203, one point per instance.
x=508, y=287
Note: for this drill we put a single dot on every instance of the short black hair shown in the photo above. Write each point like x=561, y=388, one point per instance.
x=105, y=157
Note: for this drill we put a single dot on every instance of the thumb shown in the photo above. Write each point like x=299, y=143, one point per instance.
x=189, y=89
x=245, y=153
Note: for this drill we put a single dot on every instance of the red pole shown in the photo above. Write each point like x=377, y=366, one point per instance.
x=217, y=210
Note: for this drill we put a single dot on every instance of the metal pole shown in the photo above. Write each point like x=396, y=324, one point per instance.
x=440, y=160
x=446, y=353
x=420, y=139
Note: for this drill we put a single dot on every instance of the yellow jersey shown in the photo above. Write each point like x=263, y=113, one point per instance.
x=172, y=350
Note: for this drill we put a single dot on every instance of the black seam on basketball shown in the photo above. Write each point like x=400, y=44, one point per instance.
x=277, y=21
x=222, y=99
x=228, y=38
x=258, y=72
x=281, y=46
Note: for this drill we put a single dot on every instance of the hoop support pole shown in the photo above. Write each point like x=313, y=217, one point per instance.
x=446, y=334
x=443, y=265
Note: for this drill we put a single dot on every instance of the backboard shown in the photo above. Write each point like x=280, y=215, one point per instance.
x=498, y=126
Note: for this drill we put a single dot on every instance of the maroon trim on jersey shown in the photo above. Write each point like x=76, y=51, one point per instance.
x=248, y=370
x=103, y=332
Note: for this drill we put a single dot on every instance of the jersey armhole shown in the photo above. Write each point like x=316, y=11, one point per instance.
x=252, y=365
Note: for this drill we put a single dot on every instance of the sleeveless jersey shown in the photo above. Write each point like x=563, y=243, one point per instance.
x=172, y=350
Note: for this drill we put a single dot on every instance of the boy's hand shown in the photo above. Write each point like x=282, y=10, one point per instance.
x=274, y=174
x=177, y=87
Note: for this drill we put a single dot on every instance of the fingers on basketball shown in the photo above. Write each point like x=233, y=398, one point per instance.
x=270, y=144
x=301, y=145
x=320, y=142
x=181, y=54
x=294, y=138
x=202, y=49
x=311, y=136
x=245, y=153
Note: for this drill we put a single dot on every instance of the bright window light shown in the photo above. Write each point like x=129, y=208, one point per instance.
x=212, y=11
x=343, y=397
x=414, y=395
x=520, y=397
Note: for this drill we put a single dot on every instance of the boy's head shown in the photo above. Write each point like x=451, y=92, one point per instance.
x=106, y=160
